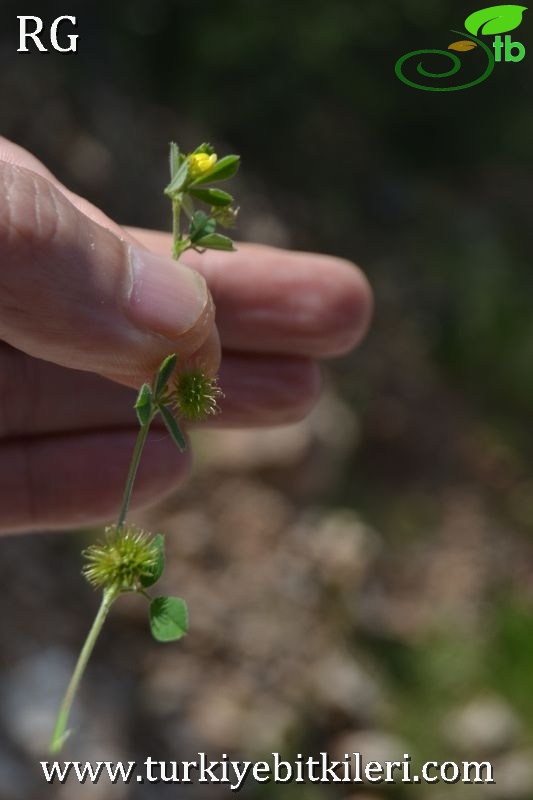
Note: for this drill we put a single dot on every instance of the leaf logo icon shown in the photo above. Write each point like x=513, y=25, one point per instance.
x=462, y=46
x=494, y=20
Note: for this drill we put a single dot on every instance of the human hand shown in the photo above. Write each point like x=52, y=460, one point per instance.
x=88, y=310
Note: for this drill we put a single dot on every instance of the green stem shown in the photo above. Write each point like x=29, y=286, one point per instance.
x=109, y=597
x=134, y=466
x=176, y=232
x=60, y=730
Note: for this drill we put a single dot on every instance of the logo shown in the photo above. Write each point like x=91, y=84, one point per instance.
x=491, y=21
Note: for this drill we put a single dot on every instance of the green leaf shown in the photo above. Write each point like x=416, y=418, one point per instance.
x=223, y=169
x=215, y=241
x=201, y=225
x=173, y=428
x=153, y=576
x=188, y=205
x=493, y=20
x=175, y=159
x=144, y=404
x=214, y=197
x=179, y=179
x=205, y=148
x=169, y=618
x=164, y=374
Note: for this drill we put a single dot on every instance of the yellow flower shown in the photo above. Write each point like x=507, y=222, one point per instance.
x=200, y=163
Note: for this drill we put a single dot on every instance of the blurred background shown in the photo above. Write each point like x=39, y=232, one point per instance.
x=362, y=581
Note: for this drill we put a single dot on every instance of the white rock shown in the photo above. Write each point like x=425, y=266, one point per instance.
x=485, y=725
x=339, y=681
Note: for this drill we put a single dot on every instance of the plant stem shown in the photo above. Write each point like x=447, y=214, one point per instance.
x=176, y=232
x=134, y=466
x=109, y=597
x=60, y=730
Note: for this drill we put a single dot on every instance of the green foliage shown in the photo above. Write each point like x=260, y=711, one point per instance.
x=164, y=374
x=175, y=159
x=144, y=404
x=154, y=572
x=201, y=225
x=216, y=241
x=496, y=19
x=223, y=170
x=188, y=178
x=214, y=197
x=169, y=619
x=178, y=181
x=204, y=148
x=173, y=428
x=510, y=652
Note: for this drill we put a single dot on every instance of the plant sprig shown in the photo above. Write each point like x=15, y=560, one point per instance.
x=128, y=559
x=189, y=176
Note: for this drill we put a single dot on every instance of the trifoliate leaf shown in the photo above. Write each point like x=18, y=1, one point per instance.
x=215, y=241
x=144, y=405
x=201, y=225
x=151, y=577
x=214, y=197
x=164, y=374
x=169, y=619
x=223, y=169
x=173, y=428
x=493, y=20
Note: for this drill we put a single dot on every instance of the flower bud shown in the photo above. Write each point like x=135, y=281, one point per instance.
x=200, y=163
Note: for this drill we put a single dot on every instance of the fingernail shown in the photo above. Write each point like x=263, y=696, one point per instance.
x=165, y=297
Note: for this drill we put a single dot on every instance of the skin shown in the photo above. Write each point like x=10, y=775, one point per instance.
x=69, y=361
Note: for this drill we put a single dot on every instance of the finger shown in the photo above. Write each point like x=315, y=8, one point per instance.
x=74, y=293
x=77, y=480
x=36, y=397
x=294, y=303
x=262, y=391
x=274, y=301
x=12, y=153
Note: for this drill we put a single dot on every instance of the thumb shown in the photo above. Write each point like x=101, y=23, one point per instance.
x=77, y=294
